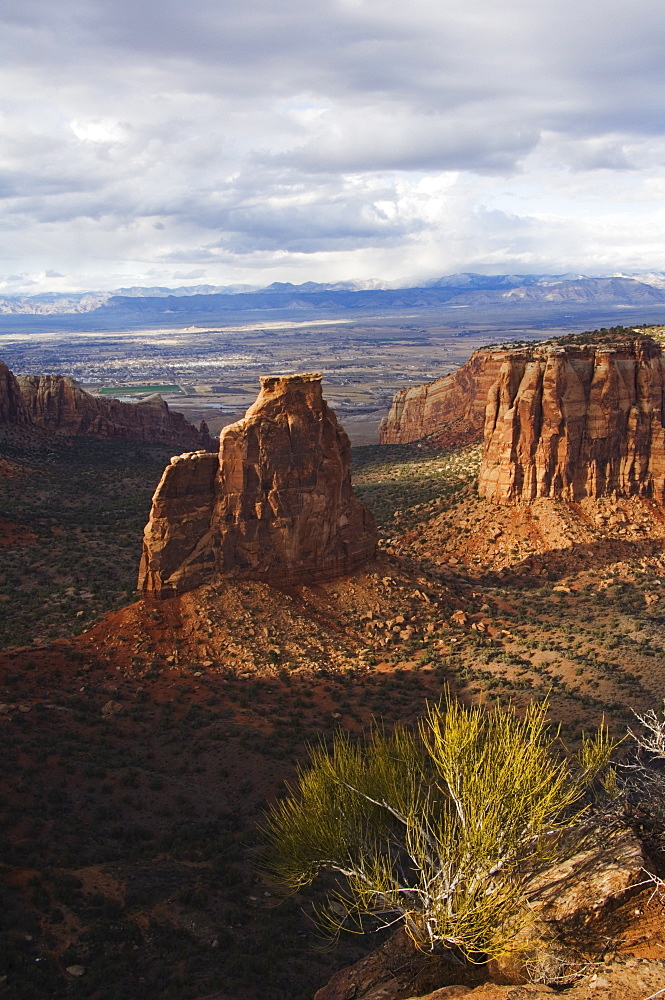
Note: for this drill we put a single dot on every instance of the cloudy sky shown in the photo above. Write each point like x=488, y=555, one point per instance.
x=224, y=141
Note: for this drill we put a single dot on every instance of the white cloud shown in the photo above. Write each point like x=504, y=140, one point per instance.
x=368, y=138
x=97, y=131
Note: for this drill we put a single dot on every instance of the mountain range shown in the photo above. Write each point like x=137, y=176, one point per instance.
x=455, y=290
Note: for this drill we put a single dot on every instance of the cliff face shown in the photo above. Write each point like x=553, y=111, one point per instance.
x=58, y=405
x=275, y=505
x=177, y=545
x=12, y=410
x=449, y=411
x=576, y=421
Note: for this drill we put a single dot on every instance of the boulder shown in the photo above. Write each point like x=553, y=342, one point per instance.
x=564, y=899
x=397, y=971
x=622, y=979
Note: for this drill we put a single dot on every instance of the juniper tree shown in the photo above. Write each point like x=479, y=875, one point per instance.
x=439, y=827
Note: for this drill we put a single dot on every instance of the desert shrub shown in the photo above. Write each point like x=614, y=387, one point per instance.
x=439, y=827
x=642, y=774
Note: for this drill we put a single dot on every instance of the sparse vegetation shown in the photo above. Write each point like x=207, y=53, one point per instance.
x=79, y=509
x=112, y=821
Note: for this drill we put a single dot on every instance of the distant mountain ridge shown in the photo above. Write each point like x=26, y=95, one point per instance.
x=464, y=289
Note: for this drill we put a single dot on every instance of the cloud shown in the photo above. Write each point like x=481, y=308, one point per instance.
x=366, y=135
x=198, y=272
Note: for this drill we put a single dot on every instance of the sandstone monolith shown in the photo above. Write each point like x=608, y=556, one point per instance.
x=275, y=505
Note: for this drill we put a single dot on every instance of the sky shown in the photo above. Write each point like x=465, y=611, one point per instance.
x=250, y=141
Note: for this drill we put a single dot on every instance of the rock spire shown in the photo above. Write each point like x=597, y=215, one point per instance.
x=275, y=504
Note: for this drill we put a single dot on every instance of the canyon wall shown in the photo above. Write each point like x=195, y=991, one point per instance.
x=449, y=411
x=58, y=405
x=12, y=410
x=276, y=504
x=574, y=421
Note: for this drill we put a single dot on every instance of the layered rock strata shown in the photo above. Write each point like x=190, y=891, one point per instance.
x=576, y=421
x=275, y=505
x=449, y=411
x=57, y=404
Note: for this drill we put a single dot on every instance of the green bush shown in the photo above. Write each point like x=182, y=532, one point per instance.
x=439, y=827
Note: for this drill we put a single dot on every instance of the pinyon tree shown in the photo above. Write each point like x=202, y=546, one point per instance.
x=440, y=827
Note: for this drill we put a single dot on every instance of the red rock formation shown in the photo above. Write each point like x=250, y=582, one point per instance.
x=578, y=421
x=449, y=411
x=177, y=548
x=11, y=404
x=277, y=505
x=58, y=405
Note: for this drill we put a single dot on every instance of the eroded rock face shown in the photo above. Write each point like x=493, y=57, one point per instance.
x=449, y=411
x=576, y=421
x=276, y=505
x=177, y=542
x=58, y=404
x=11, y=404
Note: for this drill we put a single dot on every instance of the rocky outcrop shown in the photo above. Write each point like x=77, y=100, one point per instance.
x=57, y=404
x=563, y=897
x=177, y=549
x=275, y=505
x=575, y=421
x=397, y=970
x=12, y=410
x=449, y=411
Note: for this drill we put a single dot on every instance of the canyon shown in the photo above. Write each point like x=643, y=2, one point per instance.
x=567, y=420
x=447, y=412
x=275, y=611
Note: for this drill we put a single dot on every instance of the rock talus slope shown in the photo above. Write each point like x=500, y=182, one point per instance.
x=275, y=505
x=576, y=421
x=449, y=411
